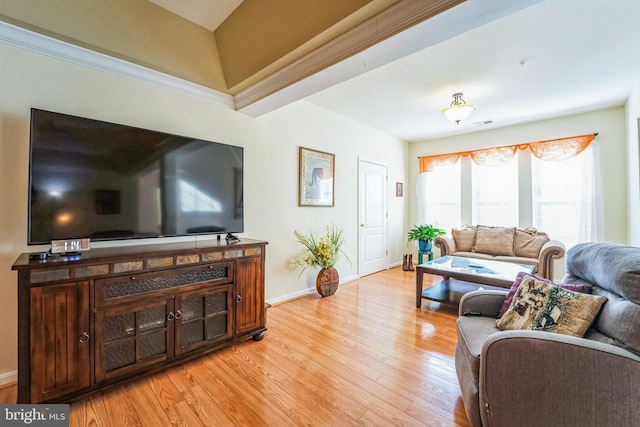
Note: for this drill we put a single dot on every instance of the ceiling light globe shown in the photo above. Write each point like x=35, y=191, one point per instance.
x=458, y=110
x=457, y=113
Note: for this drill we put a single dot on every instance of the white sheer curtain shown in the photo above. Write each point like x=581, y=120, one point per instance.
x=592, y=222
x=438, y=193
x=421, y=195
x=494, y=194
x=567, y=197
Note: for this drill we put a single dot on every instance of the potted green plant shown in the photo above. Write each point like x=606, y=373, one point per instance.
x=425, y=234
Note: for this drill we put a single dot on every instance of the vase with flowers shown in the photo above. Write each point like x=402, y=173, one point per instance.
x=322, y=252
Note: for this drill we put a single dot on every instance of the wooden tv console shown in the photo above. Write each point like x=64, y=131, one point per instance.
x=110, y=314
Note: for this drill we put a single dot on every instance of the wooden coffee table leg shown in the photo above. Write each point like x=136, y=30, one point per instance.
x=419, y=274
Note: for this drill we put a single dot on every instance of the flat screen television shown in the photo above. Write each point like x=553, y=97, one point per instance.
x=106, y=181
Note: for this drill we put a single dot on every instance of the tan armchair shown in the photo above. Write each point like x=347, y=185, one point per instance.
x=510, y=244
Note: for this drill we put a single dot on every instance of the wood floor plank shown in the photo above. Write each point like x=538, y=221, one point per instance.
x=365, y=356
x=209, y=414
x=244, y=413
x=146, y=403
x=302, y=412
x=253, y=392
x=89, y=412
x=337, y=365
x=9, y=393
x=216, y=388
x=254, y=355
x=336, y=391
x=181, y=414
x=384, y=401
x=164, y=389
x=120, y=410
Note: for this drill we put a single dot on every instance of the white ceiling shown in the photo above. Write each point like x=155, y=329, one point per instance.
x=579, y=55
x=525, y=60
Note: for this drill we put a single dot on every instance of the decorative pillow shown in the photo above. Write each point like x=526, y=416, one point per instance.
x=494, y=240
x=528, y=242
x=538, y=305
x=570, y=286
x=464, y=238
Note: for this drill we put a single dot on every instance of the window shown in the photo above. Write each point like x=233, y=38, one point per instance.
x=561, y=197
x=494, y=191
x=441, y=191
x=559, y=210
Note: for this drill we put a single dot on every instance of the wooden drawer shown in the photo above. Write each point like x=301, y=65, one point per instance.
x=129, y=288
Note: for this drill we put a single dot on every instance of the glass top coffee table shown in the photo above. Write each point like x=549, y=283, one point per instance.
x=462, y=275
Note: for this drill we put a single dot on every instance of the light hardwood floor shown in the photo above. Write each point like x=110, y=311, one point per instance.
x=365, y=356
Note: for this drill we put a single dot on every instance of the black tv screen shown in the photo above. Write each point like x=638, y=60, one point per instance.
x=105, y=181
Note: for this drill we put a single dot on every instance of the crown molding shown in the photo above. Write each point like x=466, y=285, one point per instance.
x=36, y=42
x=389, y=22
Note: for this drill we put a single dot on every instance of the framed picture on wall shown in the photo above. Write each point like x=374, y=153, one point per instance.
x=399, y=189
x=316, y=178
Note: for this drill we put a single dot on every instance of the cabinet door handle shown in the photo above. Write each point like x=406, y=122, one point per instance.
x=84, y=337
x=238, y=299
x=178, y=314
x=171, y=316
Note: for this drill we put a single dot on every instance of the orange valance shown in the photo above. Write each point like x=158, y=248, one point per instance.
x=554, y=149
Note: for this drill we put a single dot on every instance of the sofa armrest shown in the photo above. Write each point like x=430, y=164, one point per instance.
x=481, y=303
x=551, y=251
x=446, y=245
x=542, y=378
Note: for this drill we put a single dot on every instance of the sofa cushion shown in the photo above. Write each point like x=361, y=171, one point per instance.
x=473, y=255
x=540, y=305
x=472, y=333
x=494, y=240
x=517, y=260
x=611, y=266
x=620, y=320
x=528, y=242
x=507, y=300
x=464, y=238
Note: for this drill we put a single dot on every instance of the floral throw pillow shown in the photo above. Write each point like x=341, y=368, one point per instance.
x=539, y=305
x=507, y=300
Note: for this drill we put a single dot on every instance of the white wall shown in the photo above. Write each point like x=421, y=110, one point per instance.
x=608, y=123
x=633, y=165
x=29, y=79
x=302, y=124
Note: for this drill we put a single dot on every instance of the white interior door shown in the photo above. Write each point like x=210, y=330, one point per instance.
x=372, y=205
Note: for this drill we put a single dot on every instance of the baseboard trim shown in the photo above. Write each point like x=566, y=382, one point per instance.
x=291, y=296
x=8, y=378
x=298, y=294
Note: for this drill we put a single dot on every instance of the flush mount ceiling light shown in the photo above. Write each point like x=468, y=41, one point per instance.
x=458, y=110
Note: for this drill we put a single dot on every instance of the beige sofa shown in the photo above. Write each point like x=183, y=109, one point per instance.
x=510, y=244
